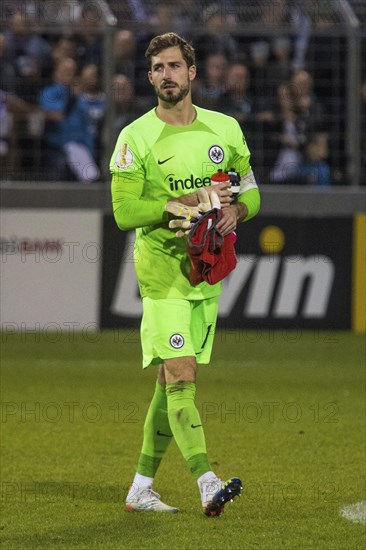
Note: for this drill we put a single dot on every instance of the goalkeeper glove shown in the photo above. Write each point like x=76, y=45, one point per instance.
x=191, y=215
x=182, y=210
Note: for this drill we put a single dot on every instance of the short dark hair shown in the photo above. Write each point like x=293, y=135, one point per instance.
x=169, y=40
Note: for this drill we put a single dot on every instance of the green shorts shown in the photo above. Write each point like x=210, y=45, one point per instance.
x=177, y=328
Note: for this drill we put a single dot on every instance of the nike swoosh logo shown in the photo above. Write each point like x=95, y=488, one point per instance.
x=197, y=425
x=164, y=161
x=164, y=435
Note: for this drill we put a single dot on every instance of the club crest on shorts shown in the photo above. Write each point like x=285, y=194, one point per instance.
x=216, y=154
x=124, y=157
x=176, y=341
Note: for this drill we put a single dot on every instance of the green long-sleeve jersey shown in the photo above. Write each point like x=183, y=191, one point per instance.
x=154, y=162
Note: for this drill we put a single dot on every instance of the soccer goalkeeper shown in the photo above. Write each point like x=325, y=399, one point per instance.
x=161, y=164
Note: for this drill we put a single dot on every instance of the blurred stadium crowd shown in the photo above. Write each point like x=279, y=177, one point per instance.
x=283, y=81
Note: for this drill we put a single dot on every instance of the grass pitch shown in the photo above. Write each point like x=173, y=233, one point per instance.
x=285, y=411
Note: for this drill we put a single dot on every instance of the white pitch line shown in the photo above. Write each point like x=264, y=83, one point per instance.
x=355, y=512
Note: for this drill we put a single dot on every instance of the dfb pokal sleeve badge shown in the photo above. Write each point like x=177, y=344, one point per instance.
x=124, y=157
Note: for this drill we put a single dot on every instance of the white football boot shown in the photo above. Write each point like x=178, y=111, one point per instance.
x=147, y=500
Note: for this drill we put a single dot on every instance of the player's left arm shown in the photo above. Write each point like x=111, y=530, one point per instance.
x=248, y=202
x=246, y=207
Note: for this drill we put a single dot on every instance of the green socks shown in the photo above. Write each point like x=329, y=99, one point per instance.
x=185, y=423
x=157, y=434
x=173, y=411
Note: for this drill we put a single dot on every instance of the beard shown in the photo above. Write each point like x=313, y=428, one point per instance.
x=173, y=95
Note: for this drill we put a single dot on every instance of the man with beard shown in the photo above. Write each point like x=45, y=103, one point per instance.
x=161, y=168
